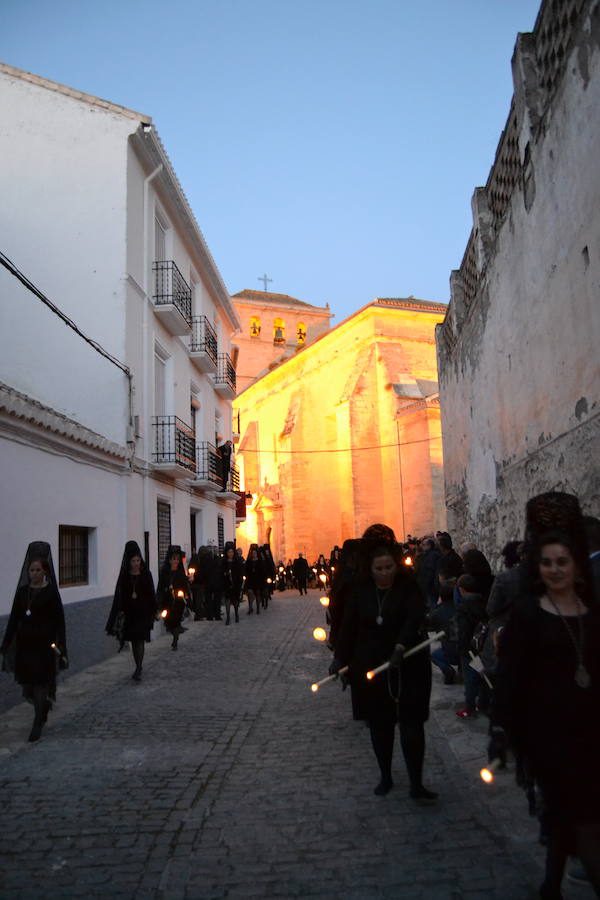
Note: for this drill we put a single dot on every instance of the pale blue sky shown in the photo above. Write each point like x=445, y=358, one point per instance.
x=333, y=144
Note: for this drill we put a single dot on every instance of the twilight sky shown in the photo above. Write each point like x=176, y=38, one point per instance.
x=333, y=144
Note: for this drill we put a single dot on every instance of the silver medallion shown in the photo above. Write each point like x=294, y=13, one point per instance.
x=379, y=620
x=27, y=612
x=582, y=677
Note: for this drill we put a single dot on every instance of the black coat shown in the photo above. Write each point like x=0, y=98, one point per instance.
x=255, y=575
x=169, y=584
x=138, y=611
x=35, y=659
x=363, y=645
x=232, y=574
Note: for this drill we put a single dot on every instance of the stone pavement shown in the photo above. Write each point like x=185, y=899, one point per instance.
x=222, y=776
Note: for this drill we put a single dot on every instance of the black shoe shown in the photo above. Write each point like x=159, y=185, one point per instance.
x=450, y=678
x=384, y=787
x=227, y=621
x=137, y=675
x=422, y=795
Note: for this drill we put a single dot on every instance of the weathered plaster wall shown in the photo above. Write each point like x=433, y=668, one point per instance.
x=519, y=361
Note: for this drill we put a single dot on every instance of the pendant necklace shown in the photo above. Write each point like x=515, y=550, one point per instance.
x=582, y=676
x=380, y=604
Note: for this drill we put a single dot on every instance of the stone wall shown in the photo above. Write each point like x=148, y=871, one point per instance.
x=518, y=350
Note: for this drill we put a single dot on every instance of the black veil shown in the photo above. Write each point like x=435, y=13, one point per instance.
x=37, y=550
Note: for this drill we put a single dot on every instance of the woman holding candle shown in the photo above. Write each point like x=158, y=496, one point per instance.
x=547, y=689
x=383, y=617
x=134, y=605
x=34, y=642
x=173, y=593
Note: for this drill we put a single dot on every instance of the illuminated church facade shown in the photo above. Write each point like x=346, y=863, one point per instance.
x=345, y=432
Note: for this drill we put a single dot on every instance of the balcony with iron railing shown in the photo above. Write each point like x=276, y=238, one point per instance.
x=172, y=297
x=209, y=470
x=174, y=447
x=225, y=377
x=203, y=345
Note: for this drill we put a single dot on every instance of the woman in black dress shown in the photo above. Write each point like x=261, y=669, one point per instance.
x=384, y=616
x=134, y=605
x=34, y=642
x=233, y=573
x=546, y=700
x=173, y=593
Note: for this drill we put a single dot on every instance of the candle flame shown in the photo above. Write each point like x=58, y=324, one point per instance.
x=486, y=776
x=180, y=594
x=164, y=613
x=314, y=688
x=324, y=601
x=191, y=570
x=269, y=581
x=370, y=676
x=323, y=577
x=320, y=634
x=408, y=560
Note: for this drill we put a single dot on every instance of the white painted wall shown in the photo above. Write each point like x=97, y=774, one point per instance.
x=63, y=223
x=41, y=491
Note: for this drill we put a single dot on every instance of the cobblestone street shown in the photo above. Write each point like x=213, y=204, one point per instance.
x=222, y=775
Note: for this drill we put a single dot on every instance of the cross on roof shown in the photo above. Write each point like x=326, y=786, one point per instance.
x=264, y=279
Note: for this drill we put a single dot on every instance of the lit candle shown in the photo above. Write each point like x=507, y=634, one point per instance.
x=487, y=774
x=320, y=634
x=180, y=594
x=269, y=581
x=191, y=570
x=55, y=648
x=408, y=560
x=323, y=577
x=324, y=601
x=164, y=613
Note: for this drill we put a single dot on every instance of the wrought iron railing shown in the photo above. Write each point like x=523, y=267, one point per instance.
x=171, y=287
x=174, y=442
x=225, y=371
x=209, y=467
x=203, y=337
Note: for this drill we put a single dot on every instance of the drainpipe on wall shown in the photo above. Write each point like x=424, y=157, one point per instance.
x=145, y=358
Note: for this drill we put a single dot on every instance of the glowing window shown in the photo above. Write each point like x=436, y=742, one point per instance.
x=254, y=326
x=278, y=332
x=301, y=332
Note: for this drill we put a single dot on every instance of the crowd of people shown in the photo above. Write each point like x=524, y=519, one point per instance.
x=525, y=642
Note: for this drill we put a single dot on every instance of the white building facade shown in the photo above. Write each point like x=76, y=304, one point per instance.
x=99, y=448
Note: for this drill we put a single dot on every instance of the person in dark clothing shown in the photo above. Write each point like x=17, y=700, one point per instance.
x=214, y=587
x=470, y=612
x=173, y=593
x=450, y=564
x=301, y=573
x=232, y=579
x=201, y=562
x=443, y=618
x=547, y=691
x=255, y=580
x=34, y=642
x=225, y=450
x=268, y=564
x=592, y=534
x=503, y=595
x=384, y=616
x=476, y=565
x=426, y=571
x=322, y=570
x=341, y=587
x=134, y=605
